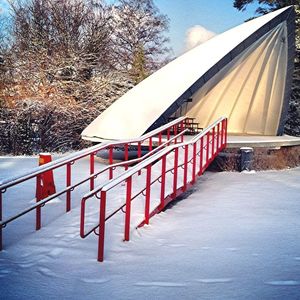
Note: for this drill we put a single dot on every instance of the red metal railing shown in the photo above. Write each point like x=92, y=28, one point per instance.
x=150, y=140
x=196, y=156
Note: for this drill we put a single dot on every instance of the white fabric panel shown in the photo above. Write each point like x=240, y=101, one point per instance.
x=249, y=90
x=132, y=114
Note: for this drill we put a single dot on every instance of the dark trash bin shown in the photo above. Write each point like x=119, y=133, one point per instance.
x=246, y=159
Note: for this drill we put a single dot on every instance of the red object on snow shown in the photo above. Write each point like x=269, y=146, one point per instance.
x=44, y=185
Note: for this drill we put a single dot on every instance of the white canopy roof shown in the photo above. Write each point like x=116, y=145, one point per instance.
x=136, y=111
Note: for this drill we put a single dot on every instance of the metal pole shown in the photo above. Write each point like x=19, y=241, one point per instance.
x=222, y=133
x=163, y=182
x=148, y=191
x=92, y=170
x=128, y=208
x=213, y=144
x=194, y=162
x=159, y=138
x=126, y=155
x=101, y=226
x=201, y=157
x=38, y=198
x=111, y=175
x=218, y=136
x=185, y=170
x=139, y=154
x=226, y=123
x=182, y=128
x=68, y=183
x=1, y=207
x=150, y=144
x=175, y=173
x=207, y=149
x=82, y=216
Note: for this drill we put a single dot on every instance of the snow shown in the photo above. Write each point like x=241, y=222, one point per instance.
x=232, y=236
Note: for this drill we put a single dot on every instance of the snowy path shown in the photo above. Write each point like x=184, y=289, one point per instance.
x=235, y=237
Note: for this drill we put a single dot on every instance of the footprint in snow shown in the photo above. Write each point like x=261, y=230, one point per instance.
x=94, y=280
x=58, y=235
x=4, y=273
x=283, y=282
x=215, y=280
x=47, y=272
x=232, y=249
x=26, y=265
x=160, y=284
x=205, y=248
x=176, y=245
x=55, y=252
x=297, y=258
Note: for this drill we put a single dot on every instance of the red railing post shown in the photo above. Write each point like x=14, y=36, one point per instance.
x=181, y=129
x=92, y=170
x=163, y=181
x=68, y=183
x=128, y=208
x=222, y=133
x=213, y=144
x=175, y=133
x=194, y=162
x=150, y=144
x=175, y=170
x=168, y=134
x=159, y=138
x=218, y=136
x=101, y=226
x=139, y=154
x=185, y=169
x=226, y=122
x=110, y=158
x=38, y=209
x=207, y=148
x=82, y=216
x=126, y=155
x=148, y=191
x=1, y=207
x=201, y=157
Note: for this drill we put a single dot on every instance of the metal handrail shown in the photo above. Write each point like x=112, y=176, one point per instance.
x=112, y=183
x=70, y=159
x=82, y=153
x=42, y=203
x=136, y=160
x=218, y=142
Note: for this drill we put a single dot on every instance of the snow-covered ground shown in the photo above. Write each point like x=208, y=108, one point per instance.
x=233, y=236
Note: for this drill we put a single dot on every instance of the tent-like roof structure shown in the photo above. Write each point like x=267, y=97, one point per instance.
x=244, y=74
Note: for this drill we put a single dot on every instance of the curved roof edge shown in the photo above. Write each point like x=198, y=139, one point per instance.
x=287, y=15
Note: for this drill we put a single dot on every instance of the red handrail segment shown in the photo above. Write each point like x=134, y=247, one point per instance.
x=203, y=147
x=208, y=140
x=68, y=161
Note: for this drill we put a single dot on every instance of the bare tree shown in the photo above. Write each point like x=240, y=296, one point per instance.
x=67, y=62
x=139, y=36
x=70, y=37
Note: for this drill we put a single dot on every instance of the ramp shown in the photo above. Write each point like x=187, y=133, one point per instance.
x=213, y=139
